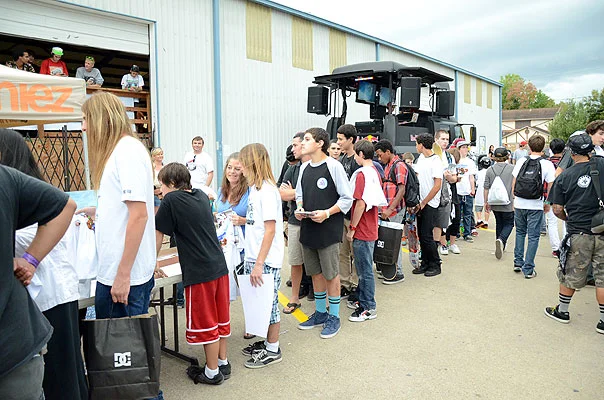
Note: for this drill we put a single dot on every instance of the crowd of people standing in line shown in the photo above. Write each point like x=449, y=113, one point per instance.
x=335, y=205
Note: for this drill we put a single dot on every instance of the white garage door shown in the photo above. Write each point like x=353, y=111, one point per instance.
x=70, y=24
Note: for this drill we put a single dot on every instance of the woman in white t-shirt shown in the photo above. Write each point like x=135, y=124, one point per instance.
x=124, y=225
x=264, y=245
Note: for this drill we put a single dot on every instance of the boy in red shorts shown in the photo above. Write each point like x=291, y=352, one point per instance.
x=186, y=214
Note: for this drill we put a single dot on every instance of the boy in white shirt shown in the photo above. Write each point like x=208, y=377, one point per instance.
x=529, y=203
x=466, y=189
x=430, y=175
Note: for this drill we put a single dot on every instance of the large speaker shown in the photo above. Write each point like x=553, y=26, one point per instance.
x=318, y=100
x=445, y=103
x=411, y=90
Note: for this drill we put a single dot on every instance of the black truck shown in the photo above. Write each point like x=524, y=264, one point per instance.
x=396, y=118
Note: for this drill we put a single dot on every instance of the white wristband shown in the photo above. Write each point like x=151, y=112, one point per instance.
x=327, y=213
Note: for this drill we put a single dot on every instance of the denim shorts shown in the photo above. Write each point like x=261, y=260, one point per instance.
x=248, y=266
x=138, y=301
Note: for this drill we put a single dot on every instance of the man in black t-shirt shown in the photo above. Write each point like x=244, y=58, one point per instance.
x=24, y=331
x=574, y=199
x=185, y=213
x=347, y=135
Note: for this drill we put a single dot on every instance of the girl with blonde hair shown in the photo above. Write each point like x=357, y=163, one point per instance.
x=264, y=245
x=124, y=225
x=157, y=158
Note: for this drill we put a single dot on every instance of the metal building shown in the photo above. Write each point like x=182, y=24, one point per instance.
x=235, y=71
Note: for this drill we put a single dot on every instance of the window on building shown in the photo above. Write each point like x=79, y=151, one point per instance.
x=337, y=49
x=489, y=95
x=302, y=50
x=479, y=92
x=258, y=36
x=467, y=89
x=522, y=123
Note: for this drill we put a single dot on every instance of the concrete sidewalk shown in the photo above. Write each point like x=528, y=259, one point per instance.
x=475, y=331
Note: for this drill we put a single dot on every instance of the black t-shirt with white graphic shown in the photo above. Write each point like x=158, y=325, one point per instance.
x=574, y=190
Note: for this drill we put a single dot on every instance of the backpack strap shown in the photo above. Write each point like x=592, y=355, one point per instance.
x=595, y=179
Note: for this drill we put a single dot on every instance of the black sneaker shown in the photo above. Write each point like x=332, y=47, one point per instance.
x=198, y=375
x=263, y=358
x=554, y=313
x=600, y=327
x=354, y=295
x=517, y=268
x=397, y=279
x=225, y=370
x=344, y=293
x=311, y=295
x=253, y=348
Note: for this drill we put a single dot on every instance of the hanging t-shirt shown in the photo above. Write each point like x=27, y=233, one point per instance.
x=188, y=216
x=128, y=176
x=264, y=204
x=575, y=190
x=199, y=166
x=464, y=186
x=428, y=169
x=548, y=174
x=239, y=209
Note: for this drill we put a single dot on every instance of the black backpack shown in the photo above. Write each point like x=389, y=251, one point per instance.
x=529, y=182
x=411, y=187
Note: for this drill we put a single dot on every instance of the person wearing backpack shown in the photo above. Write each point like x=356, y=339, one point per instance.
x=499, y=198
x=448, y=193
x=530, y=173
x=393, y=185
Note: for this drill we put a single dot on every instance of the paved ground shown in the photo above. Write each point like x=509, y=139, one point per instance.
x=476, y=331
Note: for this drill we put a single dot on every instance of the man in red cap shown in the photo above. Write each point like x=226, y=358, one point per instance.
x=520, y=152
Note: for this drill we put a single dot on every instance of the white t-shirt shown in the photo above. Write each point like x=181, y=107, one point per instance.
x=199, y=165
x=55, y=275
x=479, y=199
x=129, y=81
x=427, y=169
x=264, y=205
x=464, y=187
x=128, y=176
x=599, y=151
x=548, y=174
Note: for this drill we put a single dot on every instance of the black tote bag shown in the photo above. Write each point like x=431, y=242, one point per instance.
x=123, y=357
x=388, y=245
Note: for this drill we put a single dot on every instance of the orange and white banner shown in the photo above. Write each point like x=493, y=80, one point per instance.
x=27, y=98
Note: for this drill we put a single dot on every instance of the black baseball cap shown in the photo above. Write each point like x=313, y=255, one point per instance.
x=581, y=144
x=289, y=154
x=135, y=68
x=500, y=152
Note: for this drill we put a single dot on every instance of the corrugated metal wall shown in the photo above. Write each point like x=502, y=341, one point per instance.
x=184, y=62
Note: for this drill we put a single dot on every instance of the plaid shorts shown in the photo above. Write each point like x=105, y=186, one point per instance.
x=584, y=250
x=275, y=314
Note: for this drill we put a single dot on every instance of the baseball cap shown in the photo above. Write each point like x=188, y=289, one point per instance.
x=575, y=133
x=462, y=143
x=523, y=143
x=580, y=144
x=289, y=154
x=57, y=50
x=135, y=68
x=500, y=152
x=454, y=144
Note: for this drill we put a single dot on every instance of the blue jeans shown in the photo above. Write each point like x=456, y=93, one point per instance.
x=180, y=293
x=138, y=303
x=363, y=261
x=528, y=222
x=466, y=204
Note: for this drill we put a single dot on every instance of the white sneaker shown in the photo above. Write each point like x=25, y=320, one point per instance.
x=498, y=248
x=454, y=248
x=444, y=250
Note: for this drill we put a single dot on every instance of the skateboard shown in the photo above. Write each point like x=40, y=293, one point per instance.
x=412, y=240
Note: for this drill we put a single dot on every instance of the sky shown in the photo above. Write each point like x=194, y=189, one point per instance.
x=558, y=45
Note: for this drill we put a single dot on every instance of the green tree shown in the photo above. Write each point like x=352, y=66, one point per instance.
x=595, y=105
x=573, y=116
x=519, y=94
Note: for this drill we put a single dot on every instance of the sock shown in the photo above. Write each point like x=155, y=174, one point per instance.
x=334, y=306
x=274, y=347
x=222, y=362
x=602, y=312
x=564, y=302
x=211, y=373
x=320, y=302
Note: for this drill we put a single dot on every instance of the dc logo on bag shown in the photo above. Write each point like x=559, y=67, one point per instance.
x=380, y=244
x=122, y=359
